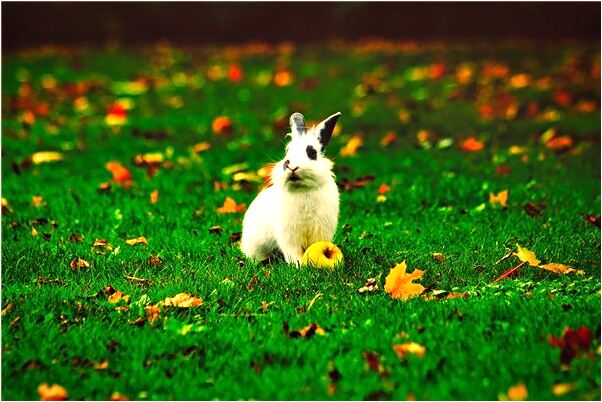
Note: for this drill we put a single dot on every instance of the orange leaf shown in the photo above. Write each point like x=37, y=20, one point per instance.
x=235, y=73
x=137, y=240
x=152, y=313
x=120, y=173
x=222, y=125
x=102, y=365
x=54, y=392
x=515, y=393
x=399, y=284
x=230, y=207
x=561, y=268
x=352, y=146
x=388, y=139
x=471, y=144
x=559, y=143
x=201, y=146
x=116, y=396
x=183, y=300
x=403, y=349
x=501, y=198
x=37, y=201
x=117, y=297
x=383, y=189
x=154, y=196
x=283, y=78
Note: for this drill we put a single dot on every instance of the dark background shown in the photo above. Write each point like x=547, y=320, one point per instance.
x=30, y=24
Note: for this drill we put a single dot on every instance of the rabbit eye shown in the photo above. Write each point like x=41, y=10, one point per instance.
x=311, y=153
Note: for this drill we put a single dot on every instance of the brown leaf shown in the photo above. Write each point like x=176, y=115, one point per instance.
x=54, y=392
x=215, y=229
x=370, y=286
x=438, y=257
x=593, y=219
x=561, y=269
x=388, y=139
x=137, y=240
x=573, y=343
x=6, y=209
x=373, y=362
x=230, y=207
x=533, y=209
x=183, y=300
x=305, y=332
x=102, y=245
x=76, y=237
x=560, y=143
x=348, y=185
x=403, y=349
x=399, y=284
x=104, y=187
x=79, y=263
x=6, y=309
x=222, y=125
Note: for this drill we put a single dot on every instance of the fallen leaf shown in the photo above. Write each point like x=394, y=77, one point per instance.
x=533, y=209
x=283, y=78
x=515, y=393
x=102, y=365
x=38, y=201
x=54, y=392
x=438, y=257
x=403, y=349
x=593, y=219
x=572, y=344
x=349, y=185
x=499, y=199
x=34, y=231
x=154, y=196
x=6, y=209
x=102, y=245
x=352, y=146
x=560, y=143
x=153, y=159
x=527, y=256
x=104, y=187
x=221, y=125
x=230, y=207
x=46, y=157
x=383, y=189
x=118, y=296
x=155, y=260
x=116, y=115
x=137, y=240
x=215, y=229
x=121, y=175
x=561, y=269
x=370, y=286
x=183, y=300
x=373, y=362
x=152, y=313
x=201, y=146
x=305, y=332
x=471, y=144
x=399, y=285
x=116, y=396
x=6, y=309
x=388, y=139
x=79, y=264
x=563, y=388
x=235, y=73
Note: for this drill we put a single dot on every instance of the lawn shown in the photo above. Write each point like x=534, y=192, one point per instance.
x=442, y=127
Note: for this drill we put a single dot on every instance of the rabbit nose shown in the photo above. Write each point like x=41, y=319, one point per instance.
x=287, y=164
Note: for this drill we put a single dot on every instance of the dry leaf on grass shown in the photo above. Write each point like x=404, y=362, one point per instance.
x=183, y=300
x=79, y=264
x=118, y=296
x=305, y=332
x=137, y=240
x=561, y=269
x=116, y=396
x=499, y=199
x=53, y=392
x=121, y=175
x=399, y=284
x=352, y=146
x=515, y=393
x=45, y=157
x=403, y=349
x=230, y=207
x=471, y=144
x=527, y=256
x=154, y=196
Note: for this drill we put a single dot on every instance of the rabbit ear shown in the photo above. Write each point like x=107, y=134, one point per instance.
x=324, y=130
x=297, y=122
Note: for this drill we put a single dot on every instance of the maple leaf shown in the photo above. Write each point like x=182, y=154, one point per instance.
x=121, y=175
x=515, y=393
x=183, y=300
x=230, y=207
x=154, y=196
x=79, y=264
x=403, y=349
x=352, y=146
x=137, y=240
x=573, y=343
x=45, y=157
x=527, y=256
x=500, y=199
x=54, y=392
x=471, y=144
x=221, y=125
x=399, y=284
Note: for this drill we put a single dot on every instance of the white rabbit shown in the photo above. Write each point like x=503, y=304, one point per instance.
x=301, y=206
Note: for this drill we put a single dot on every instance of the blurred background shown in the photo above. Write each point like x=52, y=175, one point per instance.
x=32, y=23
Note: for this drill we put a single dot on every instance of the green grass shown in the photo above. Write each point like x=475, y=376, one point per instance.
x=61, y=323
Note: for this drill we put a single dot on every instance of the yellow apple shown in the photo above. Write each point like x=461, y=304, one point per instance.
x=323, y=254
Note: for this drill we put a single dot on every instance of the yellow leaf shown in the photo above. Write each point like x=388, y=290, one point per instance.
x=563, y=388
x=201, y=146
x=527, y=256
x=137, y=240
x=154, y=196
x=34, y=231
x=102, y=365
x=501, y=198
x=561, y=269
x=352, y=146
x=117, y=297
x=399, y=284
x=402, y=349
x=45, y=157
x=184, y=300
x=515, y=393
x=230, y=207
x=38, y=201
x=53, y=392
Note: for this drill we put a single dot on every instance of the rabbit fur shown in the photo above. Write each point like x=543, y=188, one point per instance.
x=301, y=206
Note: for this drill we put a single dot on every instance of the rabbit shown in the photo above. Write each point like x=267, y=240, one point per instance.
x=301, y=205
